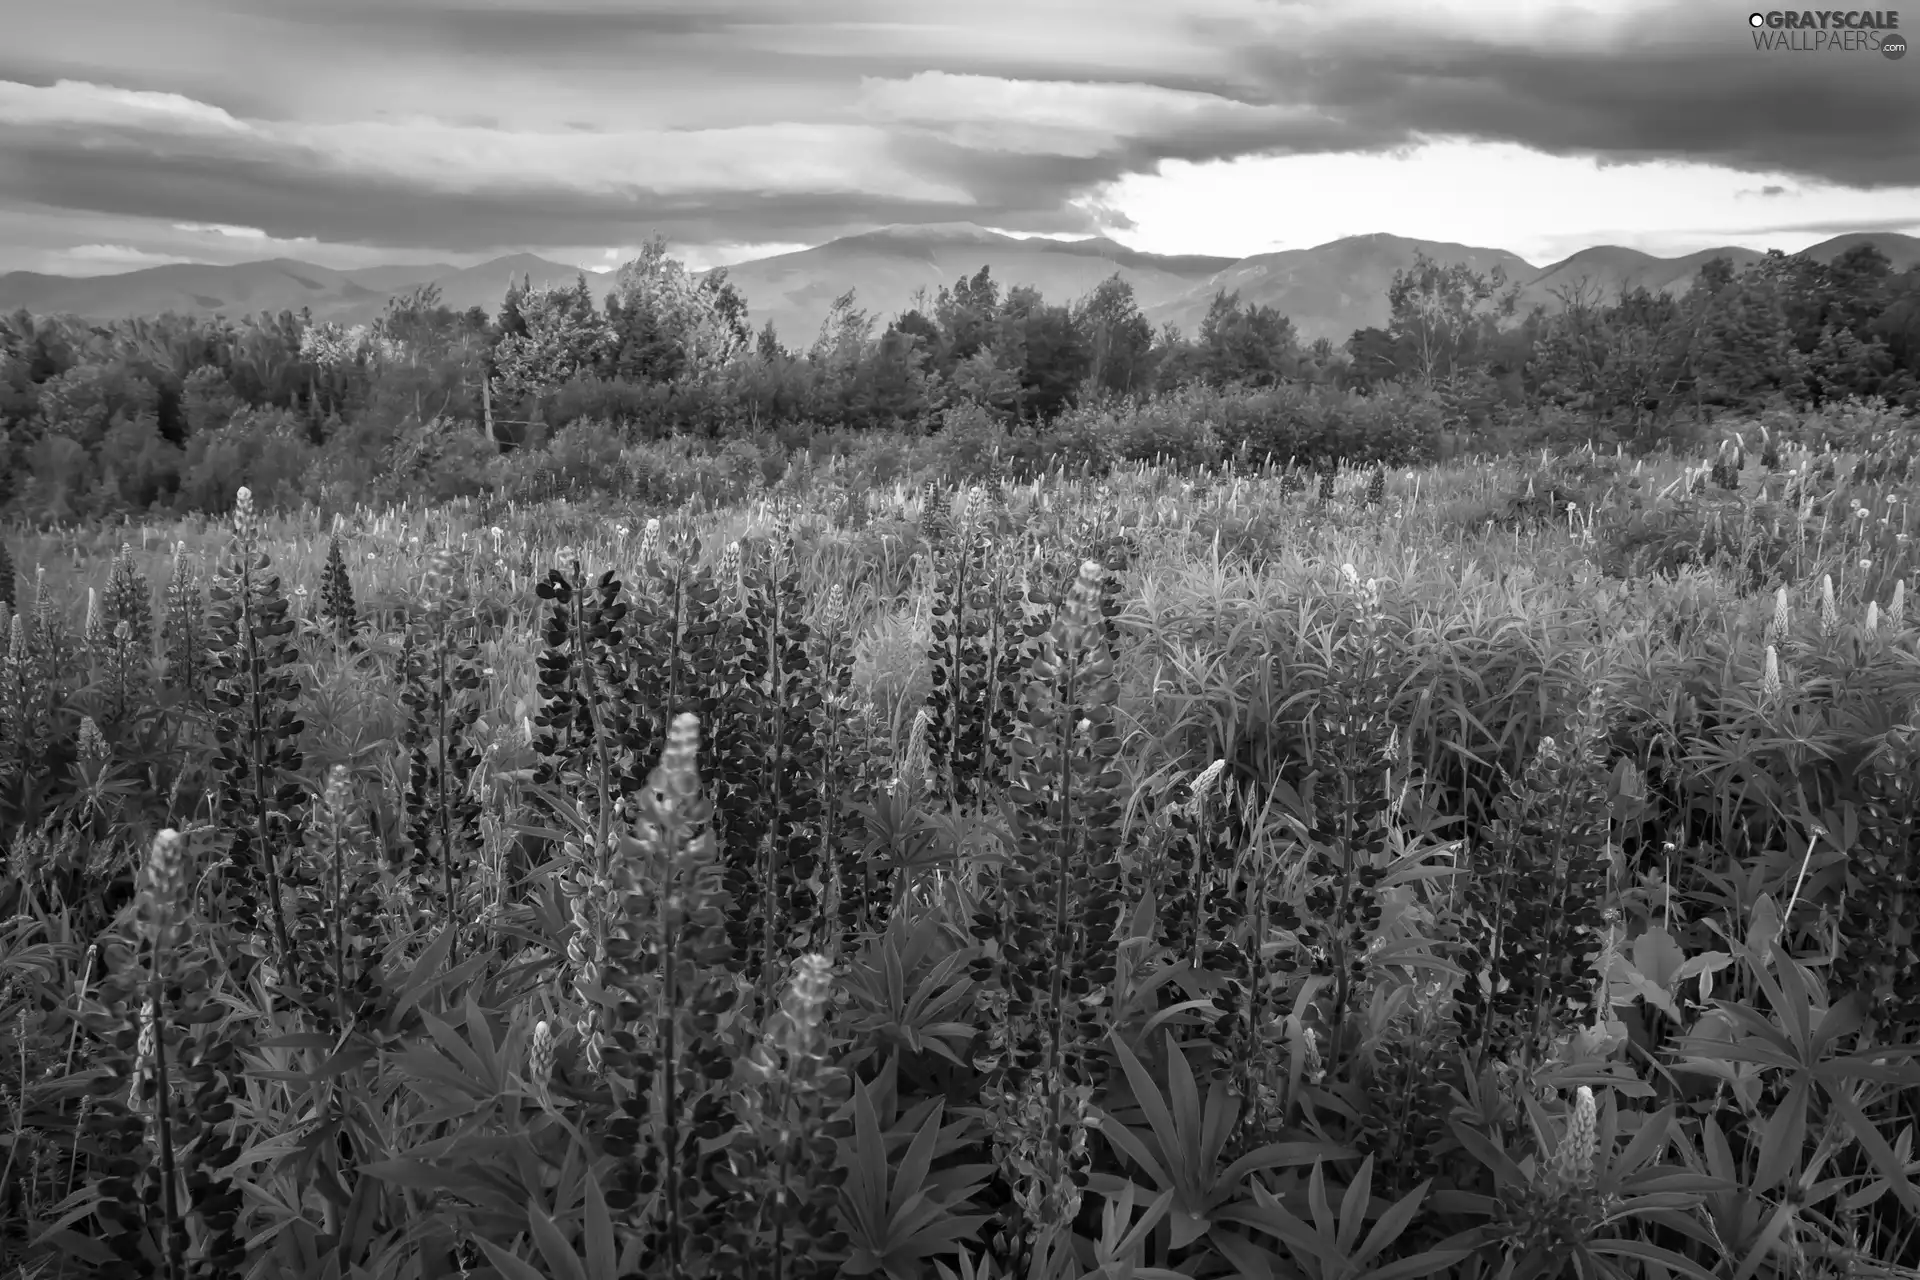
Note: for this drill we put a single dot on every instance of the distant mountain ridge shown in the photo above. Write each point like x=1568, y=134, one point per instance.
x=278, y=284
x=1329, y=290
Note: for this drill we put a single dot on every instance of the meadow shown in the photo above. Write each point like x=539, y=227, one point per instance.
x=1500, y=868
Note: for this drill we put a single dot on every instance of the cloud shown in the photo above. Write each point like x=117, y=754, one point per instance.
x=462, y=126
x=985, y=116
x=1688, y=89
x=77, y=105
x=221, y=229
x=107, y=259
x=426, y=183
x=1839, y=226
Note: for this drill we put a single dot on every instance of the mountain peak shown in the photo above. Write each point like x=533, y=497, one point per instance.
x=929, y=231
x=1328, y=290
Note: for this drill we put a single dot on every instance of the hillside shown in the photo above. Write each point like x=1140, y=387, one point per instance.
x=486, y=284
x=1612, y=269
x=886, y=267
x=1331, y=289
x=1903, y=251
x=349, y=297
x=1608, y=270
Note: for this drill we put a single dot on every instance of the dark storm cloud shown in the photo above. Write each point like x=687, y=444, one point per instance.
x=1847, y=118
x=601, y=123
x=292, y=203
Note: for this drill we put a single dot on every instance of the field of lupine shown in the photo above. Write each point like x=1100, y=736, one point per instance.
x=1503, y=870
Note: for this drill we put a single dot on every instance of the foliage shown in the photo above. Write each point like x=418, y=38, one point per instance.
x=1153, y=873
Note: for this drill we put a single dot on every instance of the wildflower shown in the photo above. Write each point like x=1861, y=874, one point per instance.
x=1873, y=617
x=1770, y=678
x=1829, y=612
x=1896, y=607
x=540, y=1056
x=160, y=892
x=677, y=761
x=1082, y=607
x=801, y=1006
x=833, y=617
x=1573, y=1161
x=1780, y=617
x=1313, y=1067
x=1204, y=783
x=96, y=629
x=146, y=1056
x=92, y=744
x=913, y=761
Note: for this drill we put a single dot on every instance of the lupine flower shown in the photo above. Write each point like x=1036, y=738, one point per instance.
x=1829, y=612
x=1770, y=678
x=1204, y=783
x=1573, y=1161
x=95, y=629
x=92, y=744
x=160, y=893
x=805, y=998
x=1781, y=619
x=146, y=1059
x=913, y=761
x=1313, y=1067
x=833, y=615
x=1082, y=607
x=540, y=1054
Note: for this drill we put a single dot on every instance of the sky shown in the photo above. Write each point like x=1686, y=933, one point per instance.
x=349, y=133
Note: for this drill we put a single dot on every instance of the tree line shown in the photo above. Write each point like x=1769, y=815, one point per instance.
x=126, y=413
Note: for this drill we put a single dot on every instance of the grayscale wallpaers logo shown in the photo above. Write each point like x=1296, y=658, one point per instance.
x=1829, y=31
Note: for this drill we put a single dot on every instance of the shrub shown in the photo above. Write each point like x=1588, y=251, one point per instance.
x=139, y=468
x=265, y=451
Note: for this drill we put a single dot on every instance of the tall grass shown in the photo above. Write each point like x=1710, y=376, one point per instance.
x=1501, y=868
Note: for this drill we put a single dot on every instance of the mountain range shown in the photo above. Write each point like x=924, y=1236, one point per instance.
x=1329, y=290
